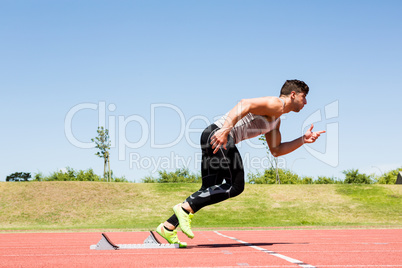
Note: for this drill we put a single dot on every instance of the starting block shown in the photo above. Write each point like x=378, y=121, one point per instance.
x=150, y=242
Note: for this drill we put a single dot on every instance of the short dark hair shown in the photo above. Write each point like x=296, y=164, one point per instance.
x=294, y=85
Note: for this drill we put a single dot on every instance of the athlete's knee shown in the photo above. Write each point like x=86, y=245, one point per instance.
x=235, y=191
x=238, y=185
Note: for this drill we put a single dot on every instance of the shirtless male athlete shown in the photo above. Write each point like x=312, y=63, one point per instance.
x=221, y=167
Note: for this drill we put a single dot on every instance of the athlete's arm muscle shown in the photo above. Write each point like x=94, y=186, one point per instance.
x=278, y=148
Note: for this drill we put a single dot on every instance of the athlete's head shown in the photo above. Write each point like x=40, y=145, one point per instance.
x=296, y=91
x=294, y=85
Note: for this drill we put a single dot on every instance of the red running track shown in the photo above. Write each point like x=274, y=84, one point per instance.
x=274, y=248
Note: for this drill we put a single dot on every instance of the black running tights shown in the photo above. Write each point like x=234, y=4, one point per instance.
x=222, y=174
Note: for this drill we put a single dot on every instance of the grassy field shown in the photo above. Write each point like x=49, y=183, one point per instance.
x=136, y=206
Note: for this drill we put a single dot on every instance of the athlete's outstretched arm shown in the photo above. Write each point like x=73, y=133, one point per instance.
x=278, y=148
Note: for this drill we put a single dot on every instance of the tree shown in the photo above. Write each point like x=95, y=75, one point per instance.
x=272, y=160
x=19, y=176
x=102, y=142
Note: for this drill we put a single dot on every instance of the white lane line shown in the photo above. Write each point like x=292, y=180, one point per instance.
x=286, y=258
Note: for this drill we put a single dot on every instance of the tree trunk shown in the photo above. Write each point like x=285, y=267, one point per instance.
x=278, y=180
x=108, y=163
x=104, y=168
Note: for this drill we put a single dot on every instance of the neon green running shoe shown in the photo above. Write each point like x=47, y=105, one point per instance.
x=170, y=236
x=184, y=220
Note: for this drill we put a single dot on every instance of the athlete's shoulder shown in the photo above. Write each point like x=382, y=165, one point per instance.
x=274, y=101
x=268, y=106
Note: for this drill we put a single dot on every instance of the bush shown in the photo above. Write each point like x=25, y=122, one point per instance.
x=353, y=176
x=69, y=175
x=389, y=177
x=180, y=175
x=149, y=179
x=121, y=179
x=307, y=180
x=75, y=175
x=87, y=175
x=326, y=180
x=287, y=177
x=19, y=176
x=269, y=177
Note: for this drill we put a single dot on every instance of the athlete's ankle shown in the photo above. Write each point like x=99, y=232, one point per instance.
x=186, y=206
x=169, y=226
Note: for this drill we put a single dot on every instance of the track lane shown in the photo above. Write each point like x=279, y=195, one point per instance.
x=319, y=248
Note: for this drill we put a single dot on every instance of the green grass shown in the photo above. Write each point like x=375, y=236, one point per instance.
x=97, y=205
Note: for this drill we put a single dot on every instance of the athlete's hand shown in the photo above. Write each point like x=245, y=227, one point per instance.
x=310, y=136
x=219, y=139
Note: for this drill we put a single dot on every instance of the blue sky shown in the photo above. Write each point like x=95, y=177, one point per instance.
x=156, y=72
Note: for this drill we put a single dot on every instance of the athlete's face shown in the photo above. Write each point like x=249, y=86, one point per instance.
x=299, y=101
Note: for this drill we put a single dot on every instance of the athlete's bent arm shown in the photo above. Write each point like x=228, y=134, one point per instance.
x=278, y=148
x=268, y=106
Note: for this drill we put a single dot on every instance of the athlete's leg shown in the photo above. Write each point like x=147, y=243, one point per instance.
x=224, y=165
x=208, y=177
